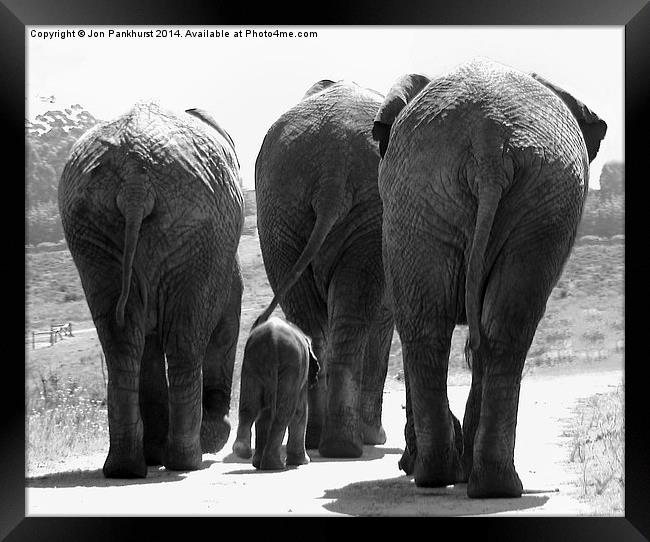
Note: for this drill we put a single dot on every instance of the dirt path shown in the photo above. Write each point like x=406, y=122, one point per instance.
x=371, y=485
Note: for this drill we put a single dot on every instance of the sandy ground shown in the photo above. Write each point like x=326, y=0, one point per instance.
x=371, y=485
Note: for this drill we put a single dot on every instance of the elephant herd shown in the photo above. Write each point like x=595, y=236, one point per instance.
x=452, y=200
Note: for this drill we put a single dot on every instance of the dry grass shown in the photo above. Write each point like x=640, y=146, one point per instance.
x=54, y=292
x=64, y=420
x=598, y=450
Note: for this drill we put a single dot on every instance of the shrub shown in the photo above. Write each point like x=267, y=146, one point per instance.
x=64, y=420
x=43, y=224
x=603, y=216
x=598, y=450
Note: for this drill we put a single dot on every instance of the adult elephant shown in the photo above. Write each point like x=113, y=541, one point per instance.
x=152, y=212
x=483, y=181
x=319, y=223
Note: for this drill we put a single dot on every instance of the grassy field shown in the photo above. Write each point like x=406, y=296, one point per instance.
x=597, y=432
x=66, y=383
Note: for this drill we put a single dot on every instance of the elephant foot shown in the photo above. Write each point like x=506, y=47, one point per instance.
x=242, y=449
x=125, y=465
x=297, y=458
x=257, y=459
x=214, y=433
x=272, y=462
x=338, y=444
x=407, y=462
x=494, y=480
x=154, y=452
x=180, y=456
x=435, y=470
x=371, y=427
x=373, y=434
x=342, y=434
x=338, y=447
x=428, y=475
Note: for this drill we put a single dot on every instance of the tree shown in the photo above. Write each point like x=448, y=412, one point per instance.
x=611, y=179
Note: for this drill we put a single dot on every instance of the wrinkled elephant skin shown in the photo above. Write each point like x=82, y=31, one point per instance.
x=483, y=180
x=152, y=212
x=278, y=364
x=319, y=223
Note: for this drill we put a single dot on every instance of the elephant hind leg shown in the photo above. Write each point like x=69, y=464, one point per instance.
x=218, y=365
x=250, y=406
x=375, y=367
x=296, y=451
x=493, y=472
x=123, y=352
x=288, y=398
x=183, y=450
x=342, y=433
x=262, y=427
x=407, y=461
x=472, y=409
x=509, y=320
x=437, y=460
x=154, y=400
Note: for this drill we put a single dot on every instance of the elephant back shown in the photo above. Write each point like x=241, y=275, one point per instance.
x=302, y=144
x=484, y=95
x=187, y=181
x=183, y=159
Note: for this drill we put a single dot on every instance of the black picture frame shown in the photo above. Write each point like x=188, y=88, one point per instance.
x=633, y=14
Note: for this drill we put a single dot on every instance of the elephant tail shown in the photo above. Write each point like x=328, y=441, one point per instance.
x=488, y=201
x=135, y=201
x=317, y=237
x=270, y=384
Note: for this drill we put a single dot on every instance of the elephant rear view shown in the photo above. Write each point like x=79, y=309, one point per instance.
x=483, y=180
x=319, y=222
x=279, y=364
x=152, y=213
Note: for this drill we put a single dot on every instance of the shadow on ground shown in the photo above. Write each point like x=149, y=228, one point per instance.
x=370, y=453
x=95, y=478
x=400, y=497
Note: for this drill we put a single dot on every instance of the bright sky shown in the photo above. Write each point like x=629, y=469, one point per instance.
x=248, y=82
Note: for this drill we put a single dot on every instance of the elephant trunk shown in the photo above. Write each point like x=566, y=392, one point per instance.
x=135, y=201
x=489, y=195
x=322, y=227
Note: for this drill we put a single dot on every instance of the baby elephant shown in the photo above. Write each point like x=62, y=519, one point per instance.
x=279, y=365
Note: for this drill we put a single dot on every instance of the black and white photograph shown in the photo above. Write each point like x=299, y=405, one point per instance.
x=325, y=270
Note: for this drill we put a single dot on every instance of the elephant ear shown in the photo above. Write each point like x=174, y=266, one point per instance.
x=401, y=93
x=314, y=366
x=318, y=87
x=593, y=128
x=206, y=117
